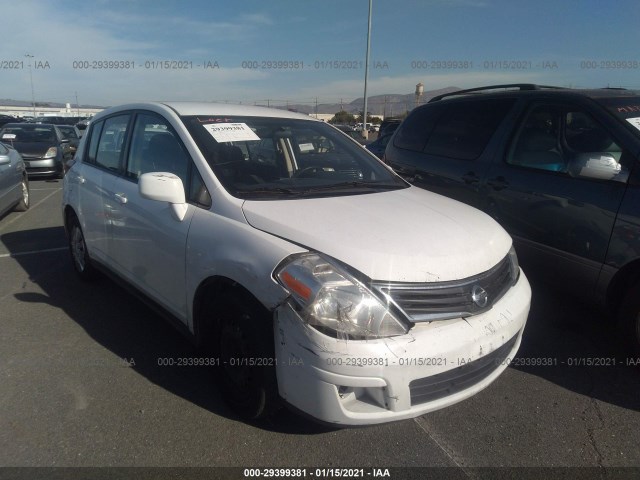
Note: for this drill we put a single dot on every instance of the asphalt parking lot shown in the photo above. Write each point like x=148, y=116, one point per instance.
x=81, y=385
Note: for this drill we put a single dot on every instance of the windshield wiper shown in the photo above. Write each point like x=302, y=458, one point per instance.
x=268, y=191
x=356, y=185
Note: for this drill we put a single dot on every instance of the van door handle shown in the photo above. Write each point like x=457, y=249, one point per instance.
x=470, y=178
x=121, y=197
x=498, y=183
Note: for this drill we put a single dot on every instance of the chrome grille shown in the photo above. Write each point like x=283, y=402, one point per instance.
x=423, y=302
x=448, y=383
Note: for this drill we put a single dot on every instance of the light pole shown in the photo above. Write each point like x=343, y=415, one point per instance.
x=366, y=75
x=33, y=98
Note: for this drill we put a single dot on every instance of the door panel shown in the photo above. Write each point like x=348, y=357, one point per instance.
x=147, y=243
x=540, y=193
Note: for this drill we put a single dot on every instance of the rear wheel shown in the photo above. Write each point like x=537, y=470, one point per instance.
x=25, y=202
x=629, y=319
x=78, y=248
x=244, y=345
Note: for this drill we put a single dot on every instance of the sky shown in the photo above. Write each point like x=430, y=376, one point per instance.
x=303, y=51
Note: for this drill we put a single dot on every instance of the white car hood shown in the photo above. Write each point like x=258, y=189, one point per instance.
x=408, y=235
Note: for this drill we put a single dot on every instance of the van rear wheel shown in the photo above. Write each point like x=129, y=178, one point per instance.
x=629, y=320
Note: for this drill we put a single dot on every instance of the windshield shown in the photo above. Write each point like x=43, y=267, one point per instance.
x=27, y=134
x=266, y=158
x=626, y=108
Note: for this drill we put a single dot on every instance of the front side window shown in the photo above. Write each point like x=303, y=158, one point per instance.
x=111, y=143
x=155, y=147
x=270, y=158
x=567, y=140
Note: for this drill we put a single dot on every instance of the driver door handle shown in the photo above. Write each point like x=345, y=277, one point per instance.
x=121, y=198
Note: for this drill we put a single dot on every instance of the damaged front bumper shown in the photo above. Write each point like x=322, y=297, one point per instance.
x=437, y=364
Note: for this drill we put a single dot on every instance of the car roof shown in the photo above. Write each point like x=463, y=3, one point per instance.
x=209, y=108
x=521, y=90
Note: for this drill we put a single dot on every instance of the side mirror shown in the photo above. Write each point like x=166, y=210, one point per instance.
x=164, y=187
x=598, y=165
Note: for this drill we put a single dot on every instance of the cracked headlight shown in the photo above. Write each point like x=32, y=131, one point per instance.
x=334, y=302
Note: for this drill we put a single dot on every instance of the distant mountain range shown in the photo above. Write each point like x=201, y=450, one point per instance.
x=387, y=105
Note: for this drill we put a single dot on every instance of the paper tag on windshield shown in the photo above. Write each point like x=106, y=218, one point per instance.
x=9, y=136
x=635, y=122
x=231, y=132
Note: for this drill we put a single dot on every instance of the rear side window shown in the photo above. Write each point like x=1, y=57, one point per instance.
x=111, y=142
x=415, y=130
x=93, y=144
x=464, y=129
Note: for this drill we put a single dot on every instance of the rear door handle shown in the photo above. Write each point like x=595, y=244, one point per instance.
x=121, y=197
x=498, y=183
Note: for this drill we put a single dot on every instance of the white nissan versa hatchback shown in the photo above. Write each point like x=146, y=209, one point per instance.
x=307, y=270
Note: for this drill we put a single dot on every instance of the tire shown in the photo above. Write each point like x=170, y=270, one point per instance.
x=78, y=249
x=629, y=320
x=243, y=342
x=25, y=202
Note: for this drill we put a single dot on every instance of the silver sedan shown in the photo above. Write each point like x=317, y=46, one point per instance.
x=14, y=183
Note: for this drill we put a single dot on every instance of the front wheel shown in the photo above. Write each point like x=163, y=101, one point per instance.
x=244, y=345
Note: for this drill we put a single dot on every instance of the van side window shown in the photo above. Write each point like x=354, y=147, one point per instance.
x=111, y=142
x=464, y=129
x=414, y=132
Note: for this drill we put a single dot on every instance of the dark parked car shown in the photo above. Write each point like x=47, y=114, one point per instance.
x=42, y=146
x=353, y=133
x=83, y=124
x=72, y=134
x=377, y=147
x=4, y=119
x=14, y=183
x=388, y=125
x=558, y=168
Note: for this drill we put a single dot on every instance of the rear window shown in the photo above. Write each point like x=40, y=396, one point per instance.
x=460, y=130
x=417, y=127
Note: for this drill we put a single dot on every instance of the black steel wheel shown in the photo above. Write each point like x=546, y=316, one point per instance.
x=244, y=345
